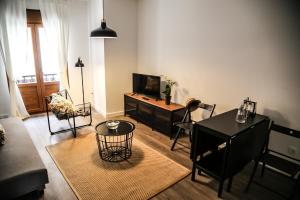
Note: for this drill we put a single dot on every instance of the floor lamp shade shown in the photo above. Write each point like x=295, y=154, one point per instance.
x=79, y=63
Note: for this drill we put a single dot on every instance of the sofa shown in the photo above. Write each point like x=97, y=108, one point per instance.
x=21, y=168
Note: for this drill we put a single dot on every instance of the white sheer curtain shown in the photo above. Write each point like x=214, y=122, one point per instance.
x=13, y=38
x=56, y=25
x=4, y=93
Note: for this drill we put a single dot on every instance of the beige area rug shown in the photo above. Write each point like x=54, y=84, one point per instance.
x=144, y=175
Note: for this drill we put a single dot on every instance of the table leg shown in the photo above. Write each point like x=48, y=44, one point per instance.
x=229, y=184
x=224, y=165
x=99, y=146
x=193, y=172
x=126, y=146
x=220, y=188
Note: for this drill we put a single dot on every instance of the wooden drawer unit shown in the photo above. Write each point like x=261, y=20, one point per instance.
x=153, y=113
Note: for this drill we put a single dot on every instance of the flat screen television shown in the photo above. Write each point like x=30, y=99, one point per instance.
x=146, y=84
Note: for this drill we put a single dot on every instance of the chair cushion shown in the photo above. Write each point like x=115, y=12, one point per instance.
x=60, y=105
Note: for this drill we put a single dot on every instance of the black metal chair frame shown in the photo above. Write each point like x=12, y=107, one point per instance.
x=186, y=123
x=276, y=160
x=72, y=117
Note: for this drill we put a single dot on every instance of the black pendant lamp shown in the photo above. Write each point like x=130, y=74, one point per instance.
x=103, y=31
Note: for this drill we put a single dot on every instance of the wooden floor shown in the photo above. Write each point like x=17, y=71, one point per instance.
x=204, y=187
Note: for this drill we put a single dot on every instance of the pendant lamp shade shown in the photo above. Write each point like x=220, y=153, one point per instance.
x=103, y=31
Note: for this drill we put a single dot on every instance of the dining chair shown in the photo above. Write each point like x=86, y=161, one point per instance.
x=187, y=123
x=279, y=162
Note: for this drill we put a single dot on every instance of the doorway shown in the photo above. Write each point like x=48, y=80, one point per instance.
x=39, y=76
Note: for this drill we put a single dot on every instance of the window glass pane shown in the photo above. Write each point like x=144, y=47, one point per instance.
x=49, y=58
x=26, y=73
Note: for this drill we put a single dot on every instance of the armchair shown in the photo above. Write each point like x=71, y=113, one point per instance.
x=64, y=109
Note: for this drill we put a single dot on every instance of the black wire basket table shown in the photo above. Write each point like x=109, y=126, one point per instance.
x=114, y=145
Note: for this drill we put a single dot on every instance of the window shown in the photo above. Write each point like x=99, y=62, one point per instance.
x=49, y=65
x=26, y=73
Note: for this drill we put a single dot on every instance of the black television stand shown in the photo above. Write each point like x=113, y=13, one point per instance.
x=153, y=112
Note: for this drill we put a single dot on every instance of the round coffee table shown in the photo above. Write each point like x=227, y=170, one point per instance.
x=115, y=144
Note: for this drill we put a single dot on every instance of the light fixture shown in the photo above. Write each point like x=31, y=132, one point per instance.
x=80, y=64
x=103, y=31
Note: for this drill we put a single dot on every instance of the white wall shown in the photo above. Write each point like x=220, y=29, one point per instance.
x=120, y=53
x=32, y=4
x=224, y=51
x=79, y=47
x=96, y=52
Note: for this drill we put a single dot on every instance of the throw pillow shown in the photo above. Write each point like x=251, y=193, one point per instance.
x=2, y=135
x=61, y=106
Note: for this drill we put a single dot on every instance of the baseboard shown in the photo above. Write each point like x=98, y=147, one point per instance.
x=114, y=114
x=3, y=116
x=95, y=109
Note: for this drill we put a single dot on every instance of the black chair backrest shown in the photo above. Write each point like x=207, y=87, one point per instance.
x=190, y=107
x=208, y=107
x=285, y=130
x=282, y=130
x=247, y=146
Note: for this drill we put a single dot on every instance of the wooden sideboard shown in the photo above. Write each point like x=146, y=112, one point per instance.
x=152, y=112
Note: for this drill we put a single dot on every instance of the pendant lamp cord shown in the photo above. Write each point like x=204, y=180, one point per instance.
x=102, y=9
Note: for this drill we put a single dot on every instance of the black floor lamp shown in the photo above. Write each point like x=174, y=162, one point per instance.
x=81, y=65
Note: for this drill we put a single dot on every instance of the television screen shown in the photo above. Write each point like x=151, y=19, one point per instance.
x=146, y=84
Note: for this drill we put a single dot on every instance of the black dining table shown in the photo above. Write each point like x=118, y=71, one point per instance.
x=242, y=143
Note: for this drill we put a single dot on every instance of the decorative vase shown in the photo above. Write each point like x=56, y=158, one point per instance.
x=168, y=100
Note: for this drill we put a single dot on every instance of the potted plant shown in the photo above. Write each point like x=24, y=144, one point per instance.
x=168, y=90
